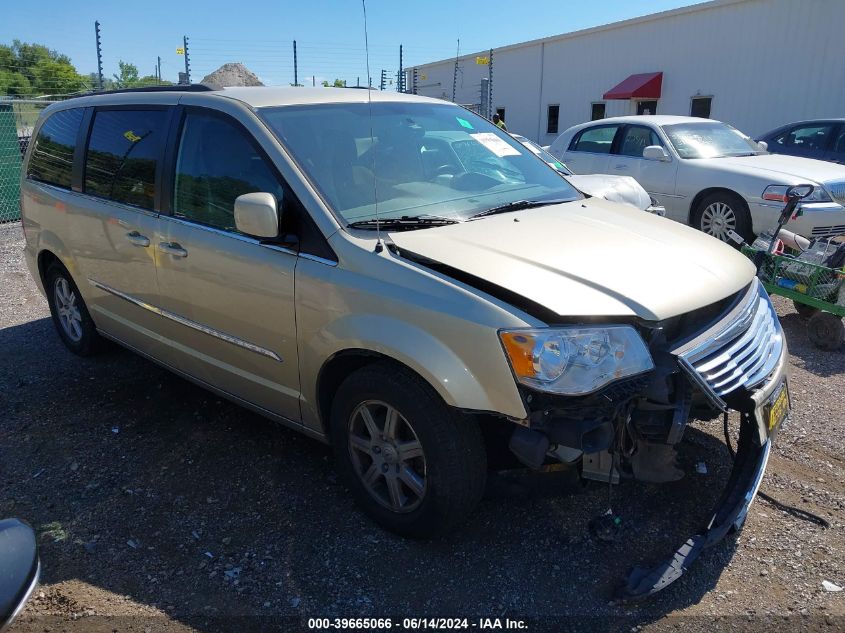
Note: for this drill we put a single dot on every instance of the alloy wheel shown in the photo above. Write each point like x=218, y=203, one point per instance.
x=718, y=219
x=387, y=456
x=67, y=307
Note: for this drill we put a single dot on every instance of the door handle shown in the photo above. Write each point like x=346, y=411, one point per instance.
x=172, y=248
x=137, y=239
x=620, y=166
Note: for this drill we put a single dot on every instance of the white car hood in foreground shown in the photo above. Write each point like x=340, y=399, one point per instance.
x=622, y=189
x=590, y=258
x=780, y=165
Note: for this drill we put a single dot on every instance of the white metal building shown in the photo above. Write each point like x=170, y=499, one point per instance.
x=755, y=64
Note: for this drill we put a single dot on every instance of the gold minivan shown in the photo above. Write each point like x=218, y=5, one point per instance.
x=396, y=276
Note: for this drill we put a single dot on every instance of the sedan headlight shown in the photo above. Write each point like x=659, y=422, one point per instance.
x=777, y=193
x=575, y=360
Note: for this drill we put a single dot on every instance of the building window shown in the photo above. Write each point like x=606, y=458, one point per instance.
x=647, y=107
x=597, y=111
x=700, y=107
x=552, y=119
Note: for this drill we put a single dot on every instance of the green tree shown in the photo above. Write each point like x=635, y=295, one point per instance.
x=128, y=76
x=338, y=83
x=35, y=70
x=152, y=80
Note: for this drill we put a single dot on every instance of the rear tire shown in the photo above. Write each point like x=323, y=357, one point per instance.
x=720, y=212
x=70, y=314
x=415, y=465
x=803, y=310
x=826, y=331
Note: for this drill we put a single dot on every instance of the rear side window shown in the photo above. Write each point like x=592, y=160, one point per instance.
x=217, y=162
x=635, y=139
x=51, y=160
x=124, y=150
x=597, y=139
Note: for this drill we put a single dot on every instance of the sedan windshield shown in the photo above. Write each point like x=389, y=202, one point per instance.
x=710, y=139
x=411, y=160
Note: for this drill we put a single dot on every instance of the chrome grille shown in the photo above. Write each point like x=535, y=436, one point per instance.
x=741, y=350
x=829, y=231
x=837, y=190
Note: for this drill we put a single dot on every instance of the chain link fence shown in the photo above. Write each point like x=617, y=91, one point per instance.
x=17, y=119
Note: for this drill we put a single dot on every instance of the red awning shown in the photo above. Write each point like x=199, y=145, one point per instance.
x=642, y=86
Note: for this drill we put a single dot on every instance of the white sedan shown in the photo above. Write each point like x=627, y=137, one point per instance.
x=621, y=189
x=707, y=174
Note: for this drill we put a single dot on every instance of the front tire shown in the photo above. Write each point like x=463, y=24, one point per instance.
x=415, y=465
x=721, y=212
x=70, y=314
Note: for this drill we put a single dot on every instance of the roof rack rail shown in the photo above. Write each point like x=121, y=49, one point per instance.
x=176, y=88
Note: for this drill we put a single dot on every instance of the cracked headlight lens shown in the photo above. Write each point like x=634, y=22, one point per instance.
x=575, y=360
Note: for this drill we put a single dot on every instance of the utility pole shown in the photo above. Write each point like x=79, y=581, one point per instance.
x=187, y=59
x=490, y=85
x=295, y=69
x=158, y=69
x=383, y=81
x=99, y=57
x=313, y=81
x=401, y=86
x=455, y=73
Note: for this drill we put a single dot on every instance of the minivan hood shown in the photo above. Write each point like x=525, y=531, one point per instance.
x=786, y=169
x=589, y=258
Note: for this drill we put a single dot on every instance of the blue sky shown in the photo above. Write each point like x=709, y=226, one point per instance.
x=329, y=33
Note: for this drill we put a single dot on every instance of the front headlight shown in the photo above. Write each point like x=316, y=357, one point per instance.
x=777, y=193
x=575, y=360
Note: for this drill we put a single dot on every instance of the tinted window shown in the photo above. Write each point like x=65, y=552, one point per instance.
x=635, y=139
x=597, y=111
x=217, y=162
x=124, y=148
x=839, y=145
x=806, y=138
x=700, y=107
x=52, y=154
x=554, y=115
x=597, y=139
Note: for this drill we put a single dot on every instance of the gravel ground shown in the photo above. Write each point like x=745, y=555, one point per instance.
x=160, y=507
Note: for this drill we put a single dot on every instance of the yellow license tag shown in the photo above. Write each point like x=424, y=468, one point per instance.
x=779, y=408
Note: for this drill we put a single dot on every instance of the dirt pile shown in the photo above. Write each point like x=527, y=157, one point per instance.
x=232, y=74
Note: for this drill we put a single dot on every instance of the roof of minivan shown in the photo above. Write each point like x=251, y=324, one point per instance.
x=259, y=96
x=264, y=96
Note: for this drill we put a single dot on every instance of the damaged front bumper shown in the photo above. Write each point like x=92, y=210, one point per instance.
x=757, y=431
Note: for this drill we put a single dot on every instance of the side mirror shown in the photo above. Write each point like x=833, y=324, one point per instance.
x=763, y=145
x=655, y=152
x=257, y=214
x=20, y=568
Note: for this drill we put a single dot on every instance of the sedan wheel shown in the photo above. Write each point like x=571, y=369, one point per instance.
x=718, y=220
x=387, y=456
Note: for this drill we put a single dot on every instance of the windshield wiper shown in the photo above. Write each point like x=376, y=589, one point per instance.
x=517, y=205
x=406, y=222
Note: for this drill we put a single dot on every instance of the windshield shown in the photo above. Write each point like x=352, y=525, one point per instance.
x=710, y=139
x=423, y=159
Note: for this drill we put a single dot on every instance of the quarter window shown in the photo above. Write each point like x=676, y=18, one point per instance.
x=635, y=139
x=217, y=162
x=124, y=150
x=553, y=117
x=51, y=160
x=597, y=140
